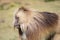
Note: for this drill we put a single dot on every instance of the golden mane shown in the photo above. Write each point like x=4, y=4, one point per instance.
x=38, y=22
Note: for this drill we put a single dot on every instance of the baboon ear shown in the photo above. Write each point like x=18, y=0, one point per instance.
x=23, y=8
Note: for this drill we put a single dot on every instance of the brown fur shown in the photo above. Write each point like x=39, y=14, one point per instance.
x=37, y=25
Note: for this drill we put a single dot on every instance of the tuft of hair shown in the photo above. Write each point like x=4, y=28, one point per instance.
x=43, y=20
x=50, y=19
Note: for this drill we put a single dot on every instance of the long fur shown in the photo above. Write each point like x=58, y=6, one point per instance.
x=39, y=25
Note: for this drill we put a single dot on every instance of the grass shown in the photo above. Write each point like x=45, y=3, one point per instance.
x=7, y=31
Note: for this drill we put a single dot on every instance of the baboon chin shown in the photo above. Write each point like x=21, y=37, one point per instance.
x=35, y=25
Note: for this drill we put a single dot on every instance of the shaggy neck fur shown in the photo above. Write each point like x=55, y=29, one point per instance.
x=39, y=25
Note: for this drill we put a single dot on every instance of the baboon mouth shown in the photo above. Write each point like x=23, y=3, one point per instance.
x=19, y=29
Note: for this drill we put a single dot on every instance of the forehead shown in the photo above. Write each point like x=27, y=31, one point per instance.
x=20, y=13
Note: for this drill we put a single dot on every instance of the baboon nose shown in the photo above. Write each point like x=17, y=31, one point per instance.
x=16, y=25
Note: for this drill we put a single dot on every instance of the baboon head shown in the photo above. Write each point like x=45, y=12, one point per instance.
x=23, y=18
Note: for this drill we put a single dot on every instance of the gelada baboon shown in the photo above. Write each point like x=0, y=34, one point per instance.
x=35, y=25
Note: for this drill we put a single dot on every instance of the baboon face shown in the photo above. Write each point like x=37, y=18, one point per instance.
x=21, y=20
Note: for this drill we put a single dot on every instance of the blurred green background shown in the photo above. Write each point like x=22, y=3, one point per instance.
x=7, y=7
